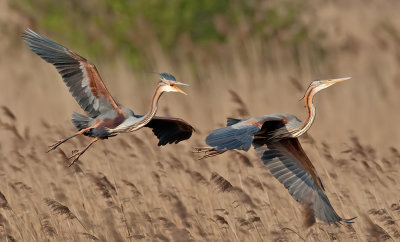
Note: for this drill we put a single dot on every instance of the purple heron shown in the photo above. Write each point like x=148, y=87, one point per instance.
x=275, y=140
x=105, y=117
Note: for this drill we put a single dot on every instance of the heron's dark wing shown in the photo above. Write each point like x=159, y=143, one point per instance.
x=240, y=135
x=289, y=164
x=170, y=130
x=80, y=76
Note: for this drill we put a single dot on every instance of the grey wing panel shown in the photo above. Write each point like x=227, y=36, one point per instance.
x=73, y=71
x=236, y=136
x=300, y=183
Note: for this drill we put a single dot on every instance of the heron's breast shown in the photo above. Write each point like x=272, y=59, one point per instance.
x=111, y=123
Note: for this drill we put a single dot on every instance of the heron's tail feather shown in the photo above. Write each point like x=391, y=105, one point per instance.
x=80, y=121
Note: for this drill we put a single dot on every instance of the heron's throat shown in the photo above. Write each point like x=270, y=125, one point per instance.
x=150, y=114
x=310, y=112
x=154, y=104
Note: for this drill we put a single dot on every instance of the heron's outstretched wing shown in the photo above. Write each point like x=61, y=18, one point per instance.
x=170, y=130
x=80, y=76
x=289, y=164
x=239, y=134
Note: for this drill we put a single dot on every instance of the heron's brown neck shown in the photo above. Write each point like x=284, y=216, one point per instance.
x=154, y=104
x=310, y=112
x=150, y=114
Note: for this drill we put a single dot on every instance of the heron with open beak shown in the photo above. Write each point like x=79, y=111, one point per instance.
x=104, y=116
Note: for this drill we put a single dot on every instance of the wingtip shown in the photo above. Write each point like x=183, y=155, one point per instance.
x=349, y=220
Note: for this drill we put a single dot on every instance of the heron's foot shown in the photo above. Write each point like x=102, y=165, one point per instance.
x=58, y=143
x=74, y=157
x=55, y=145
x=208, y=152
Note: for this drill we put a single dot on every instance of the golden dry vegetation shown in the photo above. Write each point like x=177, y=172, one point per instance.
x=129, y=189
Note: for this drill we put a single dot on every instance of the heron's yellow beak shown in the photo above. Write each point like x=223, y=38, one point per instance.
x=178, y=89
x=333, y=81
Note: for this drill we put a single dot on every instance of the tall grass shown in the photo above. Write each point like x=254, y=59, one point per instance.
x=127, y=188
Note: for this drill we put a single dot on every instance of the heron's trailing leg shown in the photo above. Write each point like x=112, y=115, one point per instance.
x=58, y=143
x=82, y=131
x=208, y=152
x=76, y=156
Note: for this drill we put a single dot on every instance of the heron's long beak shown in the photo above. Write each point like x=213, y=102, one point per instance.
x=178, y=89
x=181, y=83
x=333, y=81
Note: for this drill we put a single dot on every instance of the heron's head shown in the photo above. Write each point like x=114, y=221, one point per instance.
x=169, y=83
x=318, y=85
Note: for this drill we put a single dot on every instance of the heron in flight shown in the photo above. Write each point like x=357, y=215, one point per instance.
x=275, y=139
x=104, y=117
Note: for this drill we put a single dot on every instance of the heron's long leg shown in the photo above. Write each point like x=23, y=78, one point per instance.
x=58, y=143
x=79, y=153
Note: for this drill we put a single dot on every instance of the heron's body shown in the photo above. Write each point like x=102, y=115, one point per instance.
x=104, y=117
x=274, y=137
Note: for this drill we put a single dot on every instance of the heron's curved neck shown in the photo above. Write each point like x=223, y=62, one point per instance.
x=153, y=105
x=150, y=114
x=310, y=112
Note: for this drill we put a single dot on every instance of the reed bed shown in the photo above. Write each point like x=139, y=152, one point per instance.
x=128, y=189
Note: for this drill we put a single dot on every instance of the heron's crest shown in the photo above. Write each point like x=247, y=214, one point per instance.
x=167, y=76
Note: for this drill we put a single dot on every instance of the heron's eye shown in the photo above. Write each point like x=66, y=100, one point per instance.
x=172, y=84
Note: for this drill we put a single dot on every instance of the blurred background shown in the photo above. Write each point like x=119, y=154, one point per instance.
x=241, y=58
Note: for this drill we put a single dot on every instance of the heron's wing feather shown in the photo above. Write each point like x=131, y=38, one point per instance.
x=239, y=134
x=80, y=76
x=170, y=130
x=232, y=121
x=232, y=137
x=289, y=164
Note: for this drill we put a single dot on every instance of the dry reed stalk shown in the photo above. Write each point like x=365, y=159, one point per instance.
x=13, y=130
x=293, y=231
x=224, y=185
x=108, y=217
x=3, y=202
x=9, y=113
x=375, y=231
x=297, y=84
x=67, y=162
x=175, y=164
x=252, y=182
x=89, y=236
x=138, y=236
x=241, y=110
x=221, y=183
x=180, y=209
x=387, y=221
x=122, y=209
x=242, y=157
x=221, y=220
x=61, y=209
x=197, y=177
x=47, y=228
x=103, y=185
x=308, y=214
x=224, y=222
x=244, y=197
x=133, y=188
